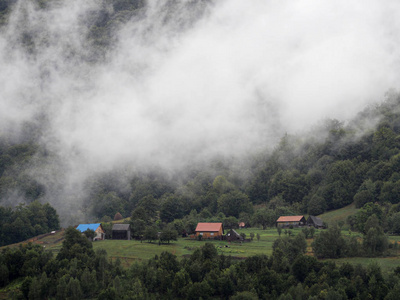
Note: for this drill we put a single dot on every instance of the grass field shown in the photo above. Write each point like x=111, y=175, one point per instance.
x=130, y=251
x=386, y=263
x=49, y=241
x=339, y=215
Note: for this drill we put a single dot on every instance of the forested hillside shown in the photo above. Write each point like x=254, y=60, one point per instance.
x=333, y=164
x=327, y=168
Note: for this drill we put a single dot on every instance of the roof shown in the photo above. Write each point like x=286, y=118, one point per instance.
x=208, y=226
x=290, y=219
x=121, y=227
x=317, y=221
x=233, y=232
x=84, y=227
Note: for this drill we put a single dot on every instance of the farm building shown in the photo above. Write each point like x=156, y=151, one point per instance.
x=209, y=230
x=232, y=235
x=121, y=232
x=315, y=221
x=295, y=221
x=242, y=225
x=96, y=227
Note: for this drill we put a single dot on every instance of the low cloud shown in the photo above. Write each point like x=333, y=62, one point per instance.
x=192, y=80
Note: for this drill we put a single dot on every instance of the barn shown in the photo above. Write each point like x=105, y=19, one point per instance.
x=315, y=221
x=287, y=221
x=96, y=227
x=121, y=232
x=210, y=230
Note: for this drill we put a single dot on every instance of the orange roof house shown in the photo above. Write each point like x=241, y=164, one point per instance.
x=209, y=230
x=286, y=221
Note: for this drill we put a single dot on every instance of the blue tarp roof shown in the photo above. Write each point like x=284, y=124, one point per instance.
x=84, y=227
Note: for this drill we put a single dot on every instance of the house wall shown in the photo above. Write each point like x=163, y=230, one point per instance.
x=210, y=235
x=287, y=224
x=100, y=234
x=121, y=235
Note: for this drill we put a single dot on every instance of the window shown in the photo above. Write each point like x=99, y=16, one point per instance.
x=212, y=233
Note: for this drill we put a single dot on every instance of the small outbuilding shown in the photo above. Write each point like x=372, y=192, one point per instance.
x=315, y=221
x=287, y=221
x=96, y=227
x=209, y=230
x=233, y=235
x=121, y=232
x=242, y=225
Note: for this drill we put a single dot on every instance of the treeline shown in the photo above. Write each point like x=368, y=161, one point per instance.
x=332, y=243
x=78, y=272
x=26, y=221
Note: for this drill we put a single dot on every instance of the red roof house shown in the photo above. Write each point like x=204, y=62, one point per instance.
x=209, y=230
x=286, y=221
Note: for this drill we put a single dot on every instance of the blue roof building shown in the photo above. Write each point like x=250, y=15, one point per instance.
x=96, y=227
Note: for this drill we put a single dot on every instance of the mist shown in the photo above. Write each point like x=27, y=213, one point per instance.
x=181, y=82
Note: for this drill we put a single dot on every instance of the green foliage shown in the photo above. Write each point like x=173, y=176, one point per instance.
x=26, y=221
x=317, y=205
x=330, y=243
x=138, y=227
x=168, y=234
x=375, y=242
x=222, y=186
x=90, y=234
x=171, y=209
x=151, y=233
x=230, y=223
x=290, y=247
x=394, y=223
x=264, y=217
x=364, y=213
x=75, y=245
x=108, y=204
x=233, y=203
x=4, y=275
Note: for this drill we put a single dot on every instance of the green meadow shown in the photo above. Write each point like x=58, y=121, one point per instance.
x=339, y=215
x=130, y=251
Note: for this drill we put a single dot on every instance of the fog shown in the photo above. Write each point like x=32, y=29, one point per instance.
x=181, y=84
